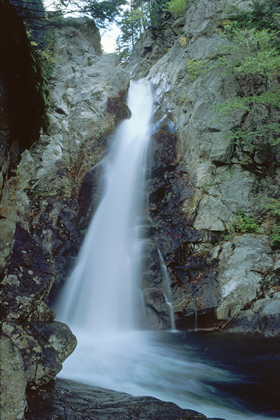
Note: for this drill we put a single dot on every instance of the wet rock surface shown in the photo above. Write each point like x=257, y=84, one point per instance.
x=29, y=277
x=190, y=278
x=65, y=400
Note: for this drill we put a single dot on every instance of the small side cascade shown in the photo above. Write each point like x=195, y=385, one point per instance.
x=195, y=320
x=166, y=281
x=171, y=313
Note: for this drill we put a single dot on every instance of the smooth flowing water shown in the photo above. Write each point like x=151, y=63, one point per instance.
x=103, y=292
x=102, y=303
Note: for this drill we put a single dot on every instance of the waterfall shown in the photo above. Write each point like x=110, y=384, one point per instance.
x=102, y=293
x=102, y=302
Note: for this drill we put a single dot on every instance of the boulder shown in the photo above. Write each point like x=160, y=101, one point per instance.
x=42, y=346
x=157, y=309
x=13, y=381
x=243, y=266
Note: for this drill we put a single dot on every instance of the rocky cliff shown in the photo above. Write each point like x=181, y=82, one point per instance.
x=203, y=183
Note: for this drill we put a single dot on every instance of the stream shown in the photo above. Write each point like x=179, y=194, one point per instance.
x=220, y=375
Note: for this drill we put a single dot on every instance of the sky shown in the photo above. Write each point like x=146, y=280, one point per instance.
x=108, y=37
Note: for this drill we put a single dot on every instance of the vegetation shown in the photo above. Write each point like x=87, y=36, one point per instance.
x=263, y=15
x=252, y=58
x=275, y=237
x=177, y=7
x=46, y=54
x=250, y=55
x=273, y=204
x=103, y=12
x=246, y=224
x=135, y=20
x=143, y=14
x=133, y=23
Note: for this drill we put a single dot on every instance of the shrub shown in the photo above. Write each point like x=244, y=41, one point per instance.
x=177, y=7
x=246, y=224
x=274, y=205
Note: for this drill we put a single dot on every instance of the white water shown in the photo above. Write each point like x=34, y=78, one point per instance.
x=102, y=303
x=102, y=293
x=166, y=281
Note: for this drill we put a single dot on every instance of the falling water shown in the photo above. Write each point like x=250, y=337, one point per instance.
x=166, y=281
x=102, y=303
x=102, y=293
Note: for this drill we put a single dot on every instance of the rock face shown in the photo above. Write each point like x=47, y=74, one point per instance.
x=66, y=399
x=44, y=204
x=244, y=262
x=200, y=184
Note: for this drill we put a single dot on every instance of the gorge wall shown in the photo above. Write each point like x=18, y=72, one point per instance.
x=202, y=181
x=216, y=277
x=45, y=200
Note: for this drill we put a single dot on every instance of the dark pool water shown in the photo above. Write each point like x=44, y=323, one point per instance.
x=253, y=363
x=220, y=375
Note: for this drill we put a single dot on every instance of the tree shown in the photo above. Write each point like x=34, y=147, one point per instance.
x=133, y=23
x=135, y=20
x=103, y=11
x=158, y=10
x=263, y=15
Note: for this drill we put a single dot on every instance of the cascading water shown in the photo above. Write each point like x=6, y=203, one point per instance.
x=102, y=302
x=102, y=293
x=166, y=281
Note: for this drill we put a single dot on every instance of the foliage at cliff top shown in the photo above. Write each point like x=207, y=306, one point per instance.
x=143, y=14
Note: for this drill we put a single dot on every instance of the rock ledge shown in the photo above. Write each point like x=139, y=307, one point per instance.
x=65, y=399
